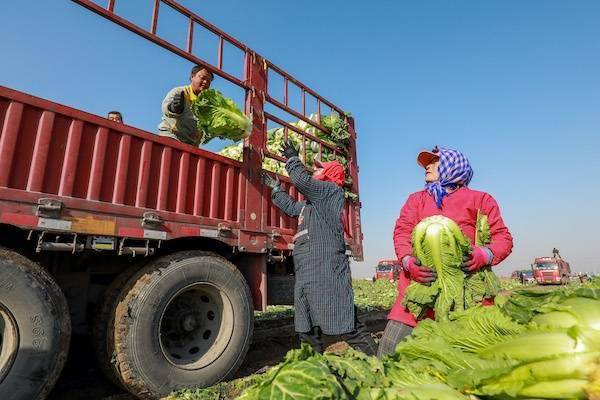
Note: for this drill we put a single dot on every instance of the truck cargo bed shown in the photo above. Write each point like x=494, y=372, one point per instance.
x=112, y=179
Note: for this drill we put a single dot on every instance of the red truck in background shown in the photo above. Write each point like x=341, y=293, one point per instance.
x=174, y=246
x=387, y=269
x=551, y=271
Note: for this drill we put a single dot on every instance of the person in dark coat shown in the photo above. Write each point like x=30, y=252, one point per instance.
x=323, y=295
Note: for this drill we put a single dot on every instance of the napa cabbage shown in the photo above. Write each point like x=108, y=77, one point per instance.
x=481, y=352
x=483, y=284
x=438, y=242
x=219, y=116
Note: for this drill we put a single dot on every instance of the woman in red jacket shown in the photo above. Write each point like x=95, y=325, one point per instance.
x=447, y=176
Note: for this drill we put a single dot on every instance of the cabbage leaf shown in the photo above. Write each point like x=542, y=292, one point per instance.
x=218, y=116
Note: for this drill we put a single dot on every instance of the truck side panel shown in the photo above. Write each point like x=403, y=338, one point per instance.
x=114, y=173
x=49, y=150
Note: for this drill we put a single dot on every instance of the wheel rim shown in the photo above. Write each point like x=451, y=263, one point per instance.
x=9, y=341
x=196, y=326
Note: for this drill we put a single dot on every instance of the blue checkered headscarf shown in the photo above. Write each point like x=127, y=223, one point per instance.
x=454, y=172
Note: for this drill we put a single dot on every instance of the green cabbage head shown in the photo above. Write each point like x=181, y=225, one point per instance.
x=218, y=116
x=438, y=243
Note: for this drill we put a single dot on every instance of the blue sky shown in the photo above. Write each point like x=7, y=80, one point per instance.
x=513, y=84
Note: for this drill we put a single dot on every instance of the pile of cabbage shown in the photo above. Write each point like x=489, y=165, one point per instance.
x=338, y=135
x=305, y=375
x=530, y=345
x=219, y=117
x=439, y=243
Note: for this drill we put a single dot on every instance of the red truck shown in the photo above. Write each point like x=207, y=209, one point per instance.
x=387, y=269
x=175, y=246
x=551, y=271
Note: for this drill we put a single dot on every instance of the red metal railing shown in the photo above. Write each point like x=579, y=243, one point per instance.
x=305, y=135
x=304, y=90
x=187, y=53
x=256, y=71
x=192, y=20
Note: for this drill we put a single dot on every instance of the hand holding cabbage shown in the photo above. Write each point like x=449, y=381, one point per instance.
x=439, y=243
x=418, y=273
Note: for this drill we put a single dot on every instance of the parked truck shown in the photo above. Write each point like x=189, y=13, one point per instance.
x=387, y=269
x=551, y=271
x=175, y=246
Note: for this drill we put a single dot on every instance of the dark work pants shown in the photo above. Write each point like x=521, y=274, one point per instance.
x=394, y=333
x=359, y=339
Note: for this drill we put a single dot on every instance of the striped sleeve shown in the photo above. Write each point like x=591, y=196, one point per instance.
x=286, y=204
x=312, y=189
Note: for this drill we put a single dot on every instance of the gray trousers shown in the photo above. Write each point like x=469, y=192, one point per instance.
x=392, y=335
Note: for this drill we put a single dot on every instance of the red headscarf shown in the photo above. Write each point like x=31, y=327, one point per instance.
x=333, y=171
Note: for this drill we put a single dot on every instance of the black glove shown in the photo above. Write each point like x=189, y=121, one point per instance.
x=271, y=182
x=288, y=150
x=176, y=105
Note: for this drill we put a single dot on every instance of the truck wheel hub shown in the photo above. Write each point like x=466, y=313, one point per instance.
x=189, y=323
x=9, y=341
x=196, y=326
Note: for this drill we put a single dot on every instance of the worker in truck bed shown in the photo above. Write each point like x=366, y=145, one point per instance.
x=115, y=116
x=323, y=295
x=178, y=121
x=447, y=176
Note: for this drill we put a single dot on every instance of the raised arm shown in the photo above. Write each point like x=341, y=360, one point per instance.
x=280, y=198
x=311, y=188
x=286, y=204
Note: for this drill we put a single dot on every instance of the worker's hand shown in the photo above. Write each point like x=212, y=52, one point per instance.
x=271, y=182
x=418, y=273
x=478, y=258
x=176, y=105
x=288, y=150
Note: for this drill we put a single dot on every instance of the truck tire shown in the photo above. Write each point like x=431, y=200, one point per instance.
x=104, y=318
x=184, y=320
x=35, y=329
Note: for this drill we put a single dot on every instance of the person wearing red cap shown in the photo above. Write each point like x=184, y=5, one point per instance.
x=447, y=176
x=323, y=295
x=331, y=171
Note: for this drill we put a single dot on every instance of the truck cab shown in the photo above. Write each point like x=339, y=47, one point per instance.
x=551, y=271
x=387, y=269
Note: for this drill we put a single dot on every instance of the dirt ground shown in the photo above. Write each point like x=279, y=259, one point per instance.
x=82, y=379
